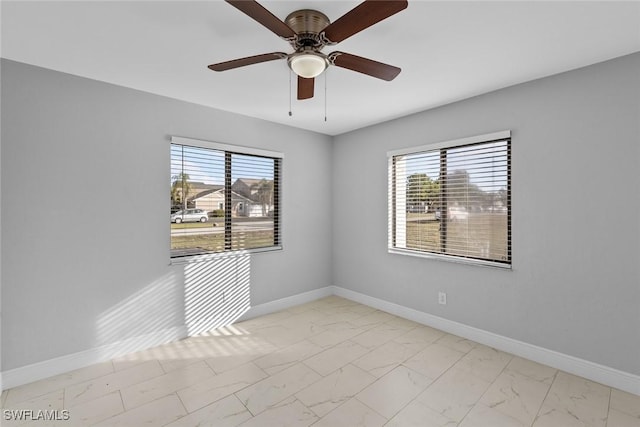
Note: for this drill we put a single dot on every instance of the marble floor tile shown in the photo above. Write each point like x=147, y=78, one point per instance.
x=378, y=335
x=343, y=314
x=58, y=382
x=335, y=357
x=585, y=401
x=266, y=332
x=402, y=323
x=621, y=419
x=335, y=334
x=353, y=413
x=384, y=358
x=550, y=417
x=394, y=391
x=307, y=329
x=372, y=319
x=415, y=414
x=328, y=363
x=360, y=309
x=227, y=412
x=107, y=384
x=220, y=386
x=239, y=351
x=132, y=359
x=434, y=360
x=269, y=391
x=419, y=337
x=484, y=362
x=157, y=387
x=282, y=336
x=288, y=413
x=457, y=343
x=532, y=370
x=516, y=396
x=156, y=413
x=49, y=401
x=94, y=411
x=454, y=393
x=169, y=365
x=267, y=320
x=625, y=402
x=484, y=416
x=286, y=357
x=316, y=317
x=331, y=391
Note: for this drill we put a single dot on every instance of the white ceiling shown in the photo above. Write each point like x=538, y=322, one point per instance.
x=447, y=51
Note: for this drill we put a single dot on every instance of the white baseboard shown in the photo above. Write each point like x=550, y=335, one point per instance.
x=593, y=371
x=287, y=302
x=584, y=368
x=48, y=368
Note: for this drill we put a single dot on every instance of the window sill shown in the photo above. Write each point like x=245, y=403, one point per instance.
x=450, y=258
x=188, y=259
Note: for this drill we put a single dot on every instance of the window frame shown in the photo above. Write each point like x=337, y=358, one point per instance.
x=228, y=150
x=392, y=205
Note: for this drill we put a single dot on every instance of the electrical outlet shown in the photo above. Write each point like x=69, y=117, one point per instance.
x=442, y=298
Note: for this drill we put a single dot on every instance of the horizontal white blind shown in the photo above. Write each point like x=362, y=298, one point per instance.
x=453, y=201
x=223, y=200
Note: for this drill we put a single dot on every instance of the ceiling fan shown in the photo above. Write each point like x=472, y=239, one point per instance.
x=309, y=31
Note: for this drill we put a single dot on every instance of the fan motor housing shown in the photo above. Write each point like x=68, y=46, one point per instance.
x=308, y=24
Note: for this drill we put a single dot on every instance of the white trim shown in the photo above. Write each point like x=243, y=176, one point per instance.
x=449, y=258
x=47, y=368
x=59, y=365
x=584, y=368
x=287, y=302
x=574, y=365
x=456, y=142
x=226, y=147
x=188, y=259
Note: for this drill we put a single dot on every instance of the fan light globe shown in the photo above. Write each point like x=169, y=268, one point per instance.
x=308, y=65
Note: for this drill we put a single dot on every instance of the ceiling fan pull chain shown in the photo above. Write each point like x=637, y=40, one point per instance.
x=325, y=94
x=290, y=113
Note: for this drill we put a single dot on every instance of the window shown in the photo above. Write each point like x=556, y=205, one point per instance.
x=453, y=200
x=223, y=198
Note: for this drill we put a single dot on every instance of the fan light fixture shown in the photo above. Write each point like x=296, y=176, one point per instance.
x=308, y=64
x=308, y=31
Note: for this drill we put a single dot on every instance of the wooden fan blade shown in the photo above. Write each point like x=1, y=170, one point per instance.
x=364, y=65
x=362, y=16
x=256, y=11
x=241, y=62
x=305, y=87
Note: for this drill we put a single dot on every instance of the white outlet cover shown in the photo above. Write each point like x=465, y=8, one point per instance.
x=442, y=298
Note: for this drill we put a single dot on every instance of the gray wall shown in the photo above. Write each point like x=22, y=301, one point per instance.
x=79, y=157
x=575, y=283
x=85, y=204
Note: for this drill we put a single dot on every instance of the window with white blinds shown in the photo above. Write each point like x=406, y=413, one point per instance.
x=453, y=200
x=223, y=198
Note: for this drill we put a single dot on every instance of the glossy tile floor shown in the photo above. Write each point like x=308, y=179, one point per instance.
x=331, y=362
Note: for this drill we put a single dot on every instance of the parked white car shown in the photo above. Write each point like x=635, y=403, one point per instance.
x=190, y=215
